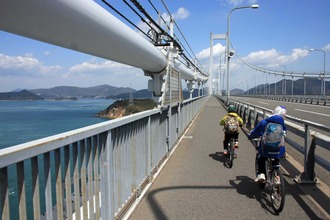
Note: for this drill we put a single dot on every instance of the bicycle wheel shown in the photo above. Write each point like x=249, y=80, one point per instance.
x=277, y=190
x=230, y=154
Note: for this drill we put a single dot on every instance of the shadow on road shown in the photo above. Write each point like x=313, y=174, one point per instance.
x=244, y=185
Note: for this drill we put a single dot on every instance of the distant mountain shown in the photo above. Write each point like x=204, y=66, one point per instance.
x=313, y=87
x=145, y=94
x=101, y=91
x=236, y=91
x=21, y=95
x=141, y=94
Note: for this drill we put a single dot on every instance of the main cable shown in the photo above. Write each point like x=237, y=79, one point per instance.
x=115, y=10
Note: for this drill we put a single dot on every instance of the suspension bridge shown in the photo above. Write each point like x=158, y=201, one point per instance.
x=163, y=163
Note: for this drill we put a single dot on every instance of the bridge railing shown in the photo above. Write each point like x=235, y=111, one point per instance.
x=91, y=172
x=307, y=99
x=253, y=114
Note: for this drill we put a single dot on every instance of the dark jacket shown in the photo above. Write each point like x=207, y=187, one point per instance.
x=258, y=131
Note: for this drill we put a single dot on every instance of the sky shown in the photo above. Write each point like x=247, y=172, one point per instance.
x=277, y=36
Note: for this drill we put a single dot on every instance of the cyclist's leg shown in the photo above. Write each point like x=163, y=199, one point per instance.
x=261, y=164
x=261, y=170
x=236, y=139
x=226, y=141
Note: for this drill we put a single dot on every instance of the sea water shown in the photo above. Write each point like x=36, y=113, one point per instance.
x=23, y=121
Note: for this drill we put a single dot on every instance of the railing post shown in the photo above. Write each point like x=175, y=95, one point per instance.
x=48, y=187
x=4, y=194
x=308, y=176
x=248, y=123
x=21, y=190
x=306, y=148
x=264, y=114
x=244, y=114
x=106, y=175
x=255, y=117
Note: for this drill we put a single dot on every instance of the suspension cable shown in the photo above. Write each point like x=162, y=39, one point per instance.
x=275, y=72
x=114, y=9
x=158, y=30
x=184, y=40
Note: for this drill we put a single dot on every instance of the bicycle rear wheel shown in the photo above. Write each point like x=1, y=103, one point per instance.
x=230, y=154
x=277, y=190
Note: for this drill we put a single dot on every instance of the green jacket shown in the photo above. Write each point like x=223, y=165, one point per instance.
x=223, y=120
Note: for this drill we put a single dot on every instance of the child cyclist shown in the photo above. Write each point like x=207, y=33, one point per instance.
x=272, y=149
x=231, y=122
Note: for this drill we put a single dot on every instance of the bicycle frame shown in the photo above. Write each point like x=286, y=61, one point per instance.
x=276, y=188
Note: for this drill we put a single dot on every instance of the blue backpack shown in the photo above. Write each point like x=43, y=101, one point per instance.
x=273, y=136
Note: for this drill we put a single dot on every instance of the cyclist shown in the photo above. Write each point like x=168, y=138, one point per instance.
x=264, y=150
x=231, y=122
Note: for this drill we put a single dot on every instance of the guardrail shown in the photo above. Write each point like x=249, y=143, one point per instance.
x=70, y=175
x=307, y=99
x=253, y=114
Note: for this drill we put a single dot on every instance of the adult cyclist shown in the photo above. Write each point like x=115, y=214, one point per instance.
x=265, y=151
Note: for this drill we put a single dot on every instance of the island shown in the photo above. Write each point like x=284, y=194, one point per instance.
x=126, y=107
x=20, y=95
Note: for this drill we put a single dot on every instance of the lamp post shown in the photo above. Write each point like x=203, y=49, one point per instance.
x=322, y=92
x=228, y=42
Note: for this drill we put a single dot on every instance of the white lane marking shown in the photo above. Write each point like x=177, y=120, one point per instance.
x=316, y=113
x=265, y=103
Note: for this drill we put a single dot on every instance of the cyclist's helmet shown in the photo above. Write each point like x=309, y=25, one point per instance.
x=231, y=108
x=280, y=110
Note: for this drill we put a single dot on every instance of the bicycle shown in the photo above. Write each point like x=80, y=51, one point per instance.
x=274, y=181
x=232, y=147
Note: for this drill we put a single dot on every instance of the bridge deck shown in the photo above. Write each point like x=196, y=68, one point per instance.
x=195, y=184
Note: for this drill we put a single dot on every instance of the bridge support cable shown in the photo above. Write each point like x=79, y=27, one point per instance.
x=82, y=26
x=160, y=38
x=282, y=73
x=167, y=85
x=86, y=27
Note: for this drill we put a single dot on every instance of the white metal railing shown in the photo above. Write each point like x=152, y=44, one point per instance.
x=92, y=172
x=252, y=114
x=307, y=99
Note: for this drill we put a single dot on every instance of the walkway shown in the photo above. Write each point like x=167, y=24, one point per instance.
x=195, y=184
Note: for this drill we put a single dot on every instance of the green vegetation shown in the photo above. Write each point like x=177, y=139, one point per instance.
x=126, y=107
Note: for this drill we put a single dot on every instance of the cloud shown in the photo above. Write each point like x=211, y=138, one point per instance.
x=240, y=2
x=205, y=54
x=180, y=14
x=99, y=71
x=24, y=65
x=28, y=72
x=262, y=57
x=294, y=56
x=96, y=65
x=272, y=57
x=327, y=47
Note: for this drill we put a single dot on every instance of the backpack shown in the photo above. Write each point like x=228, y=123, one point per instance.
x=273, y=135
x=231, y=125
